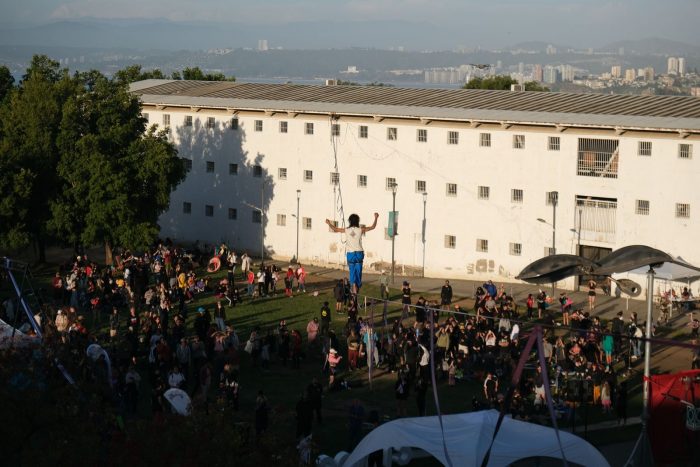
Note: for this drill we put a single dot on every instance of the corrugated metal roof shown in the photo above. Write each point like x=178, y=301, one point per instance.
x=667, y=112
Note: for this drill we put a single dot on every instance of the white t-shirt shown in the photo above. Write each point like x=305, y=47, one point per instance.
x=353, y=240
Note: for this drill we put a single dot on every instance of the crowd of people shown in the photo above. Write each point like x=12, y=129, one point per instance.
x=144, y=302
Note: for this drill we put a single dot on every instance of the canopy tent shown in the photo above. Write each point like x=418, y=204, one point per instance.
x=678, y=271
x=468, y=435
x=11, y=337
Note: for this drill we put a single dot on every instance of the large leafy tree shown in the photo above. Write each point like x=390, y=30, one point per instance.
x=136, y=73
x=7, y=82
x=117, y=174
x=29, y=124
x=500, y=82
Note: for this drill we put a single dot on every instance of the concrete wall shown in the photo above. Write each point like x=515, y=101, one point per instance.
x=664, y=179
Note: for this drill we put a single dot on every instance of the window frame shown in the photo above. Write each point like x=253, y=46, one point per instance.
x=688, y=153
x=362, y=181
x=283, y=126
x=306, y=223
x=363, y=132
x=519, y=141
x=392, y=133
x=514, y=198
x=644, y=148
x=232, y=168
x=453, y=137
x=482, y=245
x=484, y=192
x=208, y=210
x=282, y=173
x=281, y=220
x=484, y=140
x=421, y=135
x=553, y=143
x=258, y=126
x=210, y=167
x=683, y=210
x=186, y=207
x=418, y=186
x=309, y=128
x=308, y=175
x=232, y=214
x=642, y=207
x=450, y=241
x=515, y=249
x=451, y=189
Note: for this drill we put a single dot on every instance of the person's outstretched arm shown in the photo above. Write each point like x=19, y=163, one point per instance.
x=374, y=224
x=333, y=227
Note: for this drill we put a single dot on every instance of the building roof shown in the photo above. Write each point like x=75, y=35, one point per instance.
x=665, y=113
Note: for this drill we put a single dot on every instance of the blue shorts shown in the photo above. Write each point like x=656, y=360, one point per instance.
x=355, y=259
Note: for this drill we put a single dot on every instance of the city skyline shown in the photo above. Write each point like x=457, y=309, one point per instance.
x=499, y=23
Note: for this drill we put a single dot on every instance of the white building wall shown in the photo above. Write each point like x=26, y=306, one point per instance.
x=662, y=178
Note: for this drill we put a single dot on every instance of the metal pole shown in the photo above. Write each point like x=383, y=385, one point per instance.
x=555, y=198
x=393, y=228
x=425, y=199
x=647, y=347
x=262, y=224
x=578, y=245
x=298, y=198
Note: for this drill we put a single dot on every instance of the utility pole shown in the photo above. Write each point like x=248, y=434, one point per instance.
x=262, y=224
x=393, y=228
x=425, y=199
x=298, y=198
x=555, y=199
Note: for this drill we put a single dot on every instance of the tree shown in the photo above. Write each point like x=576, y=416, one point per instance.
x=117, y=176
x=197, y=74
x=500, y=82
x=29, y=124
x=134, y=73
x=7, y=82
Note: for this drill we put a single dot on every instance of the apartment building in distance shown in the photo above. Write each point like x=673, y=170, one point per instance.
x=490, y=169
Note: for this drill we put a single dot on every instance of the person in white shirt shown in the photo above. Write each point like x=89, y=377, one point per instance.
x=355, y=253
x=176, y=379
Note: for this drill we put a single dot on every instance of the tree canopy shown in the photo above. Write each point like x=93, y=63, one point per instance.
x=501, y=82
x=136, y=73
x=77, y=163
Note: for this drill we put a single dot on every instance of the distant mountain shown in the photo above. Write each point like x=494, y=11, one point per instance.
x=536, y=45
x=164, y=34
x=655, y=45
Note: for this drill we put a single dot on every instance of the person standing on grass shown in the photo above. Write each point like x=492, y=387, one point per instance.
x=446, y=296
x=355, y=253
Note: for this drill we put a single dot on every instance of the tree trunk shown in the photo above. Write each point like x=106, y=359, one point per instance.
x=108, y=253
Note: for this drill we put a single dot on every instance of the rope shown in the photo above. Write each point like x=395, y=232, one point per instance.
x=341, y=208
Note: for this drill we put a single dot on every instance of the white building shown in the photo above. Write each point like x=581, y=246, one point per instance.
x=672, y=66
x=681, y=66
x=625, y=166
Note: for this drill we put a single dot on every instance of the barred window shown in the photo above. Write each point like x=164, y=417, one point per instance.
x=209, y=210
x=283, y=126
x=306, y=223
x=233, y=169
x=450, y=241
x=685, y=151
x=516, y=195
x=362, y=181
x=308, y=175
x=234, y=123
x=551, y=197
x=484, y=192
x=516, y=249
x=485, y=140
x=364, y=131
x=644, y=148
x=335, y=129
x=188, y=120
x=335, y=178
x=452, y=137
x=642, y=207
x=482, y=245
x=422, y=135
x=281, y=220
x=166, y=120
x=257, y=171
x=211, y=122
x=232, y=214
x=309, y=128
x=390, y=183
x=187, y=163
x=282, y=173
x=391, y=134
x=258, y=125
x=420, y=186
x=210, y=166
x=682, y=210
x=451, y=189
x=186, y=208
x=553, y=143
x=518, y=141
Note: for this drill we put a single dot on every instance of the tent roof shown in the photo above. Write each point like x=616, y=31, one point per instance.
x=679, y=270
x=19, y=339
x=468, y=435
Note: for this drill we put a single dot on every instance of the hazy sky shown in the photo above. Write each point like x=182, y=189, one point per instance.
x=578, y=22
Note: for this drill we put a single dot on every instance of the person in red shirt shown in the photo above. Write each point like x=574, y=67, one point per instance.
x=250, y=280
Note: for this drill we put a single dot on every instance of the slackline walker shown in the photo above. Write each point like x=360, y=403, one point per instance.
x=355, y=254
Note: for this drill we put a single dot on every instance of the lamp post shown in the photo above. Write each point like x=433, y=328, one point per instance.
x=577, y=231
x=555, y=198
x=425, y=199
x=298, y=199
x=262, y=224
x=393, y=227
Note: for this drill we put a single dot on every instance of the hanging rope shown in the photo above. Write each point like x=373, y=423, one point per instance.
x=334, y=146
x=435, y=392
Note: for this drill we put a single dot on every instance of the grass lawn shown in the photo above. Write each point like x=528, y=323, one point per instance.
x=284, y=385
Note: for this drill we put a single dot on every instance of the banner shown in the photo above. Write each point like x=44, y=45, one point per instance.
x=674, y=411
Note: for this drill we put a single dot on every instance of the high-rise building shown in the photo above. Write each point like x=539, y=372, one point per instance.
x=537, y=73
x=681, y=66
x=551, y=74
x=630, y=74
x=551, y=50
x=567, y=73
x=521, y=68
x=616, y=71
x=262, y=45
x=672, y=68
x=649, y=73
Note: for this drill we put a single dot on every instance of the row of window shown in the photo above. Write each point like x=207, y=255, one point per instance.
x=644, y=148
x=482, y=246
x=642, y=208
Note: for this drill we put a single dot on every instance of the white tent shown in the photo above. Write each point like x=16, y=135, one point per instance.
x=10, y=337
x=680, y=271
x=468, y=436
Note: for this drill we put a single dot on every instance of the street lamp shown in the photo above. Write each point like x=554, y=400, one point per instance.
x=393, y=226
x=298, y=198
x=425, y=199
x=577, y=231
x=554, y=197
